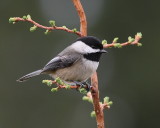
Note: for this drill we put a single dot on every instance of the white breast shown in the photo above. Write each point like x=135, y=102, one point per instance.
x=80, y=71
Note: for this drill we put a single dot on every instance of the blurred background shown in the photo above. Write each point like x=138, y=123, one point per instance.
x=129, y=76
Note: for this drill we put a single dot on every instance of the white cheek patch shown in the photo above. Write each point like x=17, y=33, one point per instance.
x=83, y=48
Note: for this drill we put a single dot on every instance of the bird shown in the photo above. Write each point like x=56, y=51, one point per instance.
x=76, y=63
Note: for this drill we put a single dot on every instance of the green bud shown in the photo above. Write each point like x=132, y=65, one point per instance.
x=93, y=114
x=90, y=101
x=104, y=42
x=139, y=44
x=74, y=30
x=48, y=82
x=106, y=99
x=130, y=39
x=24, y=17
x=47, y=32
x=83, y=90
x=139, y=34
x=54, y=89
x=85, y=98
x=110, y=103
x=117, y=45
x=52, y=23
x=32, y=29
x=115, y=40
x=44, y=81
x=28, y=17
x=64, y=27
x=68, y=86
x=12, y=20
x=59, y=81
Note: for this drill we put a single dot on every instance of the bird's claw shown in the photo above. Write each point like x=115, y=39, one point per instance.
x=83, y=85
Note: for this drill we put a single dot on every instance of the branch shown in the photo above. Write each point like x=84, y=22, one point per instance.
x=82, y=16
x=131, y=41
x=61, y=85
x=94, y=80
x=53, y=27
x=97, y=107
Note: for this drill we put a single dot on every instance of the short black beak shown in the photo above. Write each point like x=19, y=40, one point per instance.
x=103, y=51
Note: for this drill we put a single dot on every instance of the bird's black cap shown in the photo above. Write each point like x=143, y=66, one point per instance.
x=91, y=41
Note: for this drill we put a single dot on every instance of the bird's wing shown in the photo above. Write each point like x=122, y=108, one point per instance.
x=60, y=62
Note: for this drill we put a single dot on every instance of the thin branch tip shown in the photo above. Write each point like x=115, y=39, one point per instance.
x=131, y=41
x=37, y=25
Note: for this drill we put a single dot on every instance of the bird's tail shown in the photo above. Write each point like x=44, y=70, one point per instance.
x=30, y=75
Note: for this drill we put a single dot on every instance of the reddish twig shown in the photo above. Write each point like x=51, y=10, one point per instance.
x=95, y=96
x=60, y=86
x=47, y=28
x=94, y=79
x=135, y=42
x=82, y=16
x=64, y=86
x=103, y=106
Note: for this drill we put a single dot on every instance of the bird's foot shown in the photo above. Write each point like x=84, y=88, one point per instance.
x=85, y=85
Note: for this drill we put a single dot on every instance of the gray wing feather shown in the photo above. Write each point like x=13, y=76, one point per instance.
x=60, y=62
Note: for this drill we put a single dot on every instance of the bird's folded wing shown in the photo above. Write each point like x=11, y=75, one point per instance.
x=60, y=62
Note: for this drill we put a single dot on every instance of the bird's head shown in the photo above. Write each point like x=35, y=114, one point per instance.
x=90, y=47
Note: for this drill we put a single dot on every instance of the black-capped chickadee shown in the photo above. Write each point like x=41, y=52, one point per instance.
x=76, y=63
